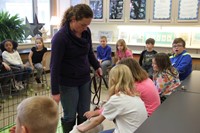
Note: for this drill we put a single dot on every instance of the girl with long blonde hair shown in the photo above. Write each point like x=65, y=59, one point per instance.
x=124, y=105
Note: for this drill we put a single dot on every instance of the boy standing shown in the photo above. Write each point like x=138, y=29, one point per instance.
x=181, y=59
x=38, y=114
x=104, y=54
x=146, y=57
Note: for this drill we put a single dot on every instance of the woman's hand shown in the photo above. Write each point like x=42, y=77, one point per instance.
x=100, y=61
x=44, y=68
x=99, y=71
x=56, y=98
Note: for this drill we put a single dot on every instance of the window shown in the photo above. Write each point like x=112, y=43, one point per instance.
x=27, y=8
x=75, y=2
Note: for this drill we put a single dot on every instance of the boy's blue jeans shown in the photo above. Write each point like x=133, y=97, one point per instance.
x=75, y=100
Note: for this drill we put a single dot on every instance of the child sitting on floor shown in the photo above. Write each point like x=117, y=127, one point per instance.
x=122, y=51
x=124, y=105
x=165, y=76
x=146, y=57
x=144, y=85
x=104, y=54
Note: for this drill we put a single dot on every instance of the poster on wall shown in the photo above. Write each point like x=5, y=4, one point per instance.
x=124, y=35
x=108, y=34
x=164, y=38
x=97, y=8
x=116, y=9
x=162, y=9
x=195, y=38
x=137, y=9
x=188, y=9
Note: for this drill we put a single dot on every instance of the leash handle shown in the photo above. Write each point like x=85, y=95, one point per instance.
x=97, y=90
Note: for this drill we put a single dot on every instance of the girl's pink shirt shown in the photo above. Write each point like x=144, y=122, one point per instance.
x=122, y=55
x=149, y=95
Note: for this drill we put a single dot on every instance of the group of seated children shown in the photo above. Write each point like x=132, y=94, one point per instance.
x=104, y=53
x=12, y=59
x=124, y=106
x=166, y=72
x=133, y=96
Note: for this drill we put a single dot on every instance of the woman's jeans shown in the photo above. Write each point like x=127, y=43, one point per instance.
x=75, y=100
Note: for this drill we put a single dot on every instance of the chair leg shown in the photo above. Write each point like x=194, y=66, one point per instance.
x=1, y=91
x=44, y=79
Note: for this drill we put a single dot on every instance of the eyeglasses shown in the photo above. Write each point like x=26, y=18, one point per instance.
x=177, y=46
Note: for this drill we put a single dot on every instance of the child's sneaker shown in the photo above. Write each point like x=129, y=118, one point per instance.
x=38, y=80
x=21, y=87
x=17, y=85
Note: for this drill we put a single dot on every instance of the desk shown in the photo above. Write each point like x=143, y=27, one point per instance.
x=180, y=113
x=192, y=83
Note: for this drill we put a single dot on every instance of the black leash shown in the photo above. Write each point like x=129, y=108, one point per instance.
x=97, y=90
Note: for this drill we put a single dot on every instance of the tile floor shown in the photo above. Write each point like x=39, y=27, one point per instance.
x=8, y=112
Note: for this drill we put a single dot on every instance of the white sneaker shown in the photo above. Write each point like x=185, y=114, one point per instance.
x=17, y=85
x=20, y=85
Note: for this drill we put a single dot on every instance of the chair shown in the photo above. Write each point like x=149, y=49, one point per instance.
x=6, y=85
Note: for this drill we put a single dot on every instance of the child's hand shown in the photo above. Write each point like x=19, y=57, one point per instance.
x=7, y=67
x=90, y=114
x=81, y=128
x=12, y=130
x=22, y=66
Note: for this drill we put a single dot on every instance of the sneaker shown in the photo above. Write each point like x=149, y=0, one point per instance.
x=20, y=85
x=38, y=80
x=17, y=87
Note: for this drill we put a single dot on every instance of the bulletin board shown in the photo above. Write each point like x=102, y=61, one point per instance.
x=116, y=10
x=137, y=9
x=97, y=8
x=162, y=9
x=188, y=10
